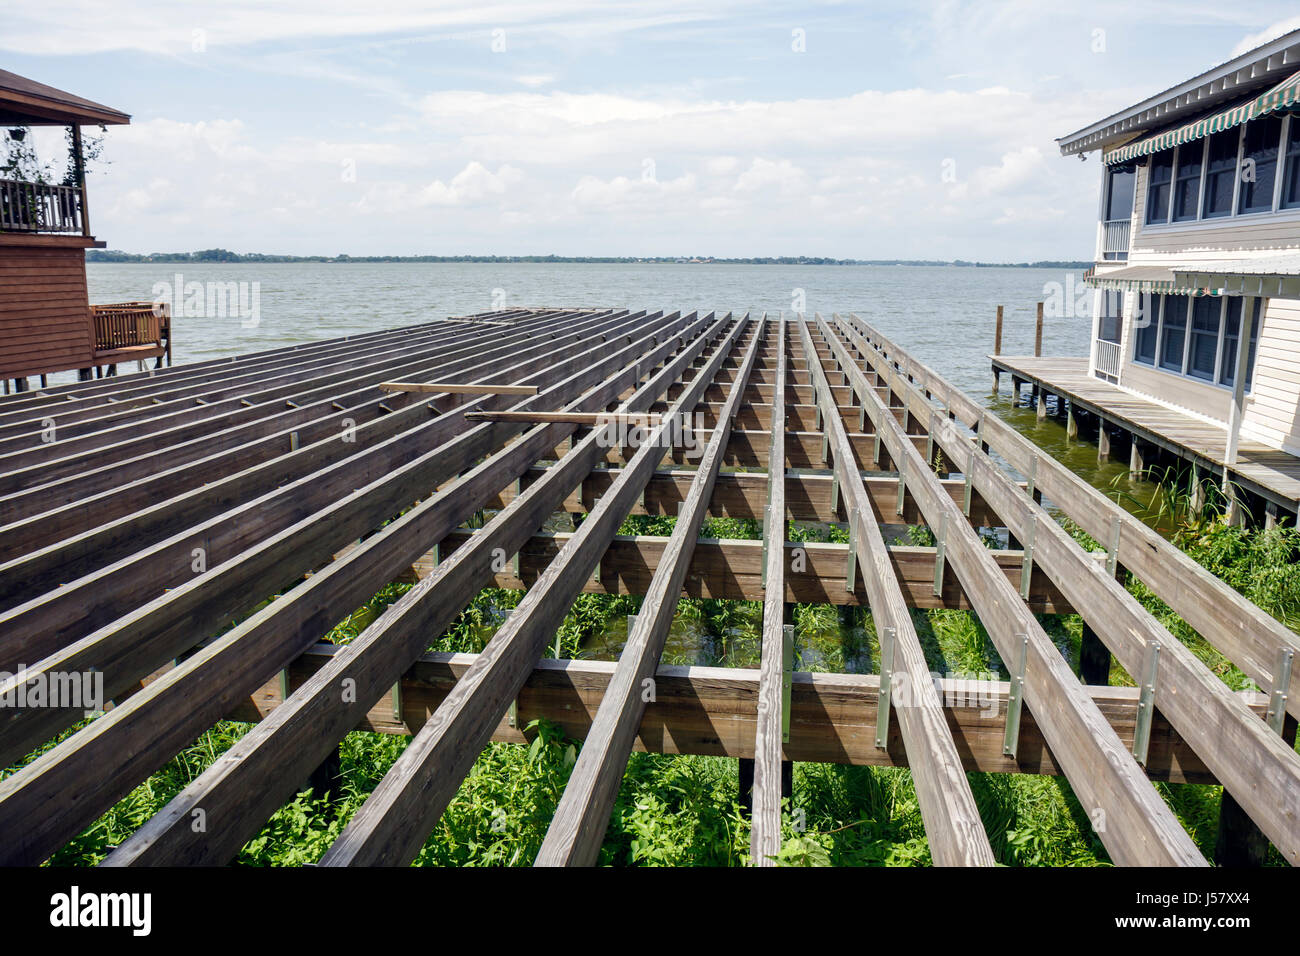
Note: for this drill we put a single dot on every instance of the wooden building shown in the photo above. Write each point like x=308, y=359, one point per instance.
x=1197, y=251
x=47, y=323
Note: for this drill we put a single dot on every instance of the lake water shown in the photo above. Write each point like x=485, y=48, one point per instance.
x=943, y=315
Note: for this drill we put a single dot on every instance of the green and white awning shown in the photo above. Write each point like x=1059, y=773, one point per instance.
x=1141, y=279
x=1284, y=96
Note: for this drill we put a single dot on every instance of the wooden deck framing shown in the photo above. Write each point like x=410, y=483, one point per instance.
x=140, y=516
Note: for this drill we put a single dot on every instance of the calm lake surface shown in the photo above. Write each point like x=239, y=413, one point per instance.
x=944, y=315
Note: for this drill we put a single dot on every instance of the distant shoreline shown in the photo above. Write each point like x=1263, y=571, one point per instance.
x=225, y=256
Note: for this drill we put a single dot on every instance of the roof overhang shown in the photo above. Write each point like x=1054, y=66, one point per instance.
x=1252, y=72
x=1273, y=276
x=25, y=102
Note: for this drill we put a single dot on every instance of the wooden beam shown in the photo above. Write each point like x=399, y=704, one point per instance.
x=265, y=761
x=396, y=819
x=578, y=828
x=769, y=745
x=151, y=726
x=1137, y=825
x=575, y=418
x=456, y=388
x=952, y=821
x=712, y=711
x=1246, y=635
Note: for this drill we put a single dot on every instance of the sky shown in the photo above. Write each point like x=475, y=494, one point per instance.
x=914, y=130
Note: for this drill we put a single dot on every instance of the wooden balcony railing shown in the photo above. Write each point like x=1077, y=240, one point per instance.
x=40, y=207
x=129, y=325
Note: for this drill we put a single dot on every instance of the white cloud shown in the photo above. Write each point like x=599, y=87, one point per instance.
x=1249, y=42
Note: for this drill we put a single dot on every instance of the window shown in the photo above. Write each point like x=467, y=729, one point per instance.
x=1259, y=164
x=1220, y=174
x=1231, y=335
x=1111, y=317
x=1119, y=192
x=1159, y=186
x=1187, y=181
x=1200, y=345
x=1146, y=326
x=1291, y=166
x=1203, y=350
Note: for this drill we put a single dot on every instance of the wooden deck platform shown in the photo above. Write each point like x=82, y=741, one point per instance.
x=294, y=488
x=1271, y=474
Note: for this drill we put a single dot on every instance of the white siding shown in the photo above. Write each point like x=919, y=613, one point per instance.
x=1273, y=407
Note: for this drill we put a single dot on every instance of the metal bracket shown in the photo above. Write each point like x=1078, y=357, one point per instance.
x=835, y=495
x=284, y=685
x=862, y=417
x=851, y=575
x=887, y=638
x=1027, y=562
x=787, y=678
x=1016, y=700
x=513, y=716
x=875, y=451
x=979, y=434
x=767, y=518
x=397, y=700
x=902, y=491
x=1146, y=705
x=1030, y=485
x=1276, y=715
x=967, y=485
x=1112, y=553
x=941, y=547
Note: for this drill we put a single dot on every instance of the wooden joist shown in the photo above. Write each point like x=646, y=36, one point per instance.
x=774, y=665
x=1246, y=755
x=394, y=821
x=1133, y=821
x=578, y=827
x=247, y=785
x=169, y=713
x=952, y=821
x=1249, y=637
x=456, y=388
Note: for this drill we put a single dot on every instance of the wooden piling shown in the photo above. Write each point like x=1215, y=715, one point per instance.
x=997, y=349
x=1038, y=332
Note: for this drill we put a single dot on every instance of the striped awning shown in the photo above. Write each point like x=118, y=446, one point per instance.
x=1134, y=279
x=1281, y=97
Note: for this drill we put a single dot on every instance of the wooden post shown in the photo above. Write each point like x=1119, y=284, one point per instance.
x=1038, y=332
x=1197, y=491
x=1094, y=658
x=326, y=778
x=1042, y=401
x=1270, y=515
x=1071, y=422
x=997, y=349
x=1239, y=841
x=79, y=165
x=1103, y=441
x=1137, y=464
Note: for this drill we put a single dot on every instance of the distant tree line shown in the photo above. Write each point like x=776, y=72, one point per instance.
x=225, y=255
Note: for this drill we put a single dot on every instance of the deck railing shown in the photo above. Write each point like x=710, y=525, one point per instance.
x=1108, y=358
x=127, y=324
x=1115, y=240
x=39, y=207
